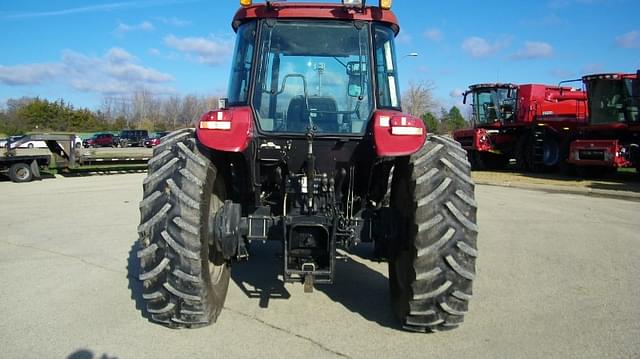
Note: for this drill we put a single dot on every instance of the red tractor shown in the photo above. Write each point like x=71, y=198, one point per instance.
x=612, y=138
x=528, y=123
x=310, y=149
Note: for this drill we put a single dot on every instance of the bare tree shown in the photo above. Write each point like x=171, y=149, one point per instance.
x=190, y=111
x=172, y=108
x=418, y=98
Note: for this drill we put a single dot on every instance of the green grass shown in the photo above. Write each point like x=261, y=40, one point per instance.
x=627, y=170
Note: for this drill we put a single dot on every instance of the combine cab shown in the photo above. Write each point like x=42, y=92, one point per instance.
x=612, y=138
x=310, y=149
x=528, y=123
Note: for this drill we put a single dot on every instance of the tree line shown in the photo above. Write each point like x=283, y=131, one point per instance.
x=144, y=110
x=418, y=101
x=140, y=110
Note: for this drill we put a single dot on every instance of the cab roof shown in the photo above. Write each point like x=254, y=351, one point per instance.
x=610, y=76
x=493, y=85
x=321, y=11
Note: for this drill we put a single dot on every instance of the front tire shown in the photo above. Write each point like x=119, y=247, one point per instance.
x=432, y=264
x=185, y=277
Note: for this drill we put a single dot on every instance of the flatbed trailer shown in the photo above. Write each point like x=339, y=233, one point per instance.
x=22, y=165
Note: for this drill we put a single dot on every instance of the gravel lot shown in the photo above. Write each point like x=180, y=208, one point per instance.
x=558, y=277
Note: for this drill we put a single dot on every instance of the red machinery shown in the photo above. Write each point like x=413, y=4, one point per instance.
x=527, y=123
x=612, y=138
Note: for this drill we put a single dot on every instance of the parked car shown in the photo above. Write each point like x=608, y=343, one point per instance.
x=154, y=140
x=33, y=144
x=4, y=141
x=100, y=140
x=133, y=138
x=77, y=142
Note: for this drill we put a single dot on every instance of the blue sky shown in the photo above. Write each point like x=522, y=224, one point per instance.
x=84, y=50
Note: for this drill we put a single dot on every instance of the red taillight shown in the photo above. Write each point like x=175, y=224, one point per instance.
x=406, y=126
x=216, y=120
x=397, y=134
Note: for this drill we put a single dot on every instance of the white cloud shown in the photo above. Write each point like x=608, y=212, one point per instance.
x=533, y=50
x=433, y=34
x=630, y=40
x=118, y=55
x=592, y=68
x=173, y=21
x=31, y=74
x=404, y=38
x=478, y=47
x=557, y=4
x=95, y=8
x=207, y=51
x=456, y=93
x=123, y=28
x=561, y=73
x=116, y=72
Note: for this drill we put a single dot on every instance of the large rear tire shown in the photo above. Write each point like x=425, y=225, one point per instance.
x=432, y=264
x=185, y=278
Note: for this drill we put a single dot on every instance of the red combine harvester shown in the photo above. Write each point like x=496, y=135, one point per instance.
x=612, y=138
x=528, y=123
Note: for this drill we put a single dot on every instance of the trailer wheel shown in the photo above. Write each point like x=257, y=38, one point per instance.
x=432, y=264
x=20, y=172
x=185, y=277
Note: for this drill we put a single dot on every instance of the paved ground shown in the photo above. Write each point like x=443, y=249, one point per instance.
x=561, y=279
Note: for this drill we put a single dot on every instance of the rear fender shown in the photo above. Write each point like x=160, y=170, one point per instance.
x=397, y=134
x=228, y=130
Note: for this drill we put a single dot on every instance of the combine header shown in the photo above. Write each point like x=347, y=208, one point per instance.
x=612, y=138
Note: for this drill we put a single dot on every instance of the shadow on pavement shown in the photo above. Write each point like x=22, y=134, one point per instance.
x=135, y=285
x=357, y=287
x=88, y=354
x=258, y=277
x=43, y=176
x=361, y=289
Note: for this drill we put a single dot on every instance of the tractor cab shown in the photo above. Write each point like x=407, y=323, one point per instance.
x=613, y=99
x=299, y=84
x=493, y=104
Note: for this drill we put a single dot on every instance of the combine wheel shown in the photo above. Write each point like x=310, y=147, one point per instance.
x=551, y=152
x=477, y=164
x=432, y=264
x=492, y=161
x=185, y=278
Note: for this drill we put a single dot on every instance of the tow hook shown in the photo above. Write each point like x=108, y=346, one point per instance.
x=308, y=269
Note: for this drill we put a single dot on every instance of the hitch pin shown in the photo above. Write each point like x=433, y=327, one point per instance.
x=309, y=268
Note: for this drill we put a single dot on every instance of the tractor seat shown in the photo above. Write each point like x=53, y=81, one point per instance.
x=297, y=115
x=326, y=119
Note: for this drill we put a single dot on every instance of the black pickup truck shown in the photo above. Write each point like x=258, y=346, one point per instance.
x=133, y=138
